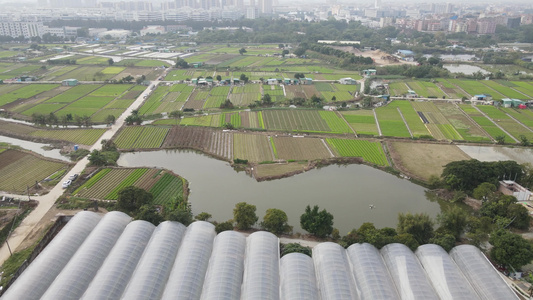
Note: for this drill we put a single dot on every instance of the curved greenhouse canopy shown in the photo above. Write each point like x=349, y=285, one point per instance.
x=113, y=257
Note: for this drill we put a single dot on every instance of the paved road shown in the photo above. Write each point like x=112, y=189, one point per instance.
x=47, y=201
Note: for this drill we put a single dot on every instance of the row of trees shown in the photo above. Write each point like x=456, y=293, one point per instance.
x=67, y=119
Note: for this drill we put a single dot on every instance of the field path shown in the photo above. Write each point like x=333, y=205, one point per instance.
x=405, y=122
x=327, y=147
x=497, y=125
x=377, y=123
x=46, y=202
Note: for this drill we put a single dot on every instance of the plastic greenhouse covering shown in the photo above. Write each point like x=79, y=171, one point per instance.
x=333, y=272
x=113, y=258
x=224, y=274
x=407, y=273
x=297, y=277
x=113, y=276
x=447, y=279
x=151, y=274
x=187, y=276
x=371, y=275
x=261, y=267
x=43, y=270
x=78, y=273
x=482, y=276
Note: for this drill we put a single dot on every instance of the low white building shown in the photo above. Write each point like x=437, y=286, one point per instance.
x=116, y=33
x=347, y=80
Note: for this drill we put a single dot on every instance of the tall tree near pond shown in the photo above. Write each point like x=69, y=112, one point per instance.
x=318, y=223
x=244, y=215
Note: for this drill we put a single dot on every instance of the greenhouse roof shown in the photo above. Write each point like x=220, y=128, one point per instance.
x=113, y=257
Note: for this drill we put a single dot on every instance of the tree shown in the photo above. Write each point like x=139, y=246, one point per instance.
x=419, y=225
x=267, y=100
x=224, y=226
x=131, y=198
x=96, y=158
x=524, y=141
x=110, y=119
x=203, y=216
x=219, y=78
x=52, y=119
x=149, y=213
x=500, y=139
x=242, y=51
x=510, y=249
x=284, y=52
x=244, y=78
x=281, y=46
x=445, y=240
x=275, y=221
x=294, y=248
x=180, y=211
x=453, y=221
x=244, y=215
x=484, y=190
x=299, y=75
x=317, y=223
x=181, y=63
x=227, y=104
x=110, y=61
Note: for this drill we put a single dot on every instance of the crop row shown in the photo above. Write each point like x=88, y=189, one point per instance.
x=370, y=151
x=26, y=92
x=92, y=181
x=141, y=137
x=294, y=120
x=130, y=180
x=106, y=184
x=78, y=136
x=168, y=194
x=73, y=93
x=335, y=123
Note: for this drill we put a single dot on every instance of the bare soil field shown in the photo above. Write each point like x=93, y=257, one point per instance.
x=289, y=148
x=379, y=57
x=422, y=160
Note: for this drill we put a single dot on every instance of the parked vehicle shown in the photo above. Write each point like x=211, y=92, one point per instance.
x=66, y=184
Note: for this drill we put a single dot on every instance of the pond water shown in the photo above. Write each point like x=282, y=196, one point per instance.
x=465, y=69
x=454, y=57
x=345, y=191
x=38, y=148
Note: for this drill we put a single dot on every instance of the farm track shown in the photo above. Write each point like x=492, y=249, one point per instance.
x=517, y=121
x=474, y=122
x=377, y=122
x=404, y=121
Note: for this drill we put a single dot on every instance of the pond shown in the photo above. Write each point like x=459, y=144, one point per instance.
x=39, y=148
x=465, y=69
x=347, y=192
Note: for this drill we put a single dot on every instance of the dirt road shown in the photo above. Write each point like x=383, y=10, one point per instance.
x=47, y=201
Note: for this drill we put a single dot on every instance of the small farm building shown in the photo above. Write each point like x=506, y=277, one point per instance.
x=307, y=80
x=482, y=97
x=347, y=80
x=369, y=72
x=70, y=82
x=272, y=81
x=506, y=102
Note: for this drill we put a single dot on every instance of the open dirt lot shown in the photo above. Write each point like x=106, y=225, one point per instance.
x=422, y=160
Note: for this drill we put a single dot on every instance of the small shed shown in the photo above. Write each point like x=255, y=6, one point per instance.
x=506, y=102
x=369, y=72
x=196, y=64
x=287, y=81
x=272, y=81
x=70, y=82
x=236, y=80
x=307, y=81
x=482, y=97
x=347, y=80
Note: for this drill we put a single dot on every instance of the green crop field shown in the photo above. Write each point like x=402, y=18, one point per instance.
x=371, y=152
x=426, y=89
x=362, y=121
x=25, y=92
x=506, y=122
x=73, y=93
x=19, y=170
x=523, y=115
x=130, y=180
x=143, y=137
x=294, y=120
x=450, y=89
x=485, y=123
x=474, y=87
x=523, y=87
x=334, y=122
x=77, y=136
x=166, y=189
x=391, y=123
x=154, y=100
x=398, y=88
x=197, y=121
x=113, y=70
x=411, y=117
x=507, y=92
x=114, y=90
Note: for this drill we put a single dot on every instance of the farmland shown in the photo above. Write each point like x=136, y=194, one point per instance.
x=105, y=185
x=362, y=121
x=390, y=122
x=254, y=148
x=25, y=92
x=20, y=170
x=371, y=152
x=294, y=120
x=437, y=123
x=486, y=124
x=464, y=126
x=506, y=122
x=299, y=148
x=411, y=117
x=144, y=137
x=424, y=160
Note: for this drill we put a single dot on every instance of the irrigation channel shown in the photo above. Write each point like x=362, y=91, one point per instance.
x=345, y=191
x=38, y=148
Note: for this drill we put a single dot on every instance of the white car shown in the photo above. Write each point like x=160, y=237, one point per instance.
x=66, y=184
